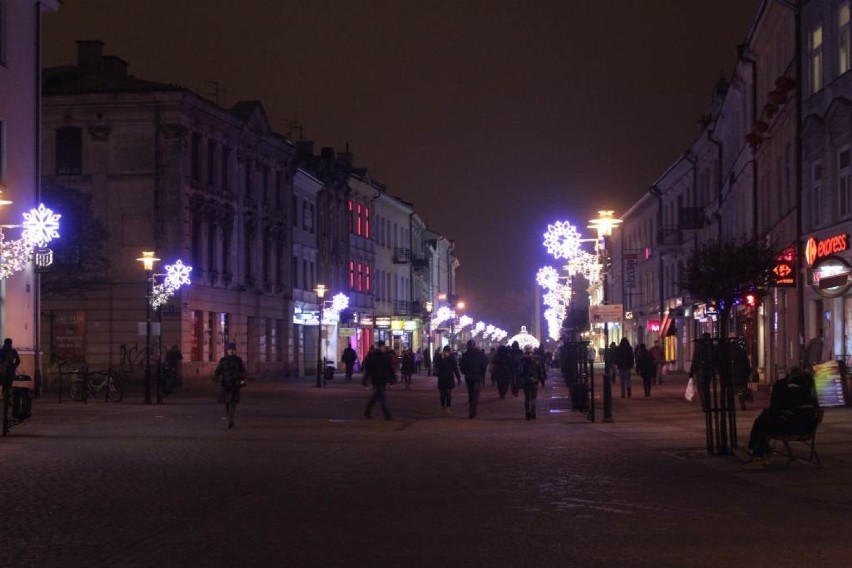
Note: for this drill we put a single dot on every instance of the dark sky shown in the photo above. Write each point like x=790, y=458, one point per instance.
x=492, y=117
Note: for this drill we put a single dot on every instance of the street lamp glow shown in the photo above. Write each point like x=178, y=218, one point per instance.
x=148, y=259
x=604, y=223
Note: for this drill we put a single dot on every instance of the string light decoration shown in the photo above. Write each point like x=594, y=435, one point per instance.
x=464, y=321
x=177, y=275
x=40, y=226
x=562, y=240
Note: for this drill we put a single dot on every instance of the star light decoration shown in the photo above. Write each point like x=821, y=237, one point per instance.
x=40, y=226
x=177, y=275
x=563, y=241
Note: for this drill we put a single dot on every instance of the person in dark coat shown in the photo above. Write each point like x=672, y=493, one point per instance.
x=349, y=358
x=740, y=370
x=502, y=370
x=427, y=361
x=378, y=369
x=473, y=365
x=231, y=374
x=532, y=374
x=407, y=367
x=646, y=367
x=793, y=409
x=624, y=362
x=9, y=362
x=704, y=365
x=515, y=354
x=448, y=377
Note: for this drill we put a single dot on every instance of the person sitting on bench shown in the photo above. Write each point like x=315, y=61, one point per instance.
x=792, y=410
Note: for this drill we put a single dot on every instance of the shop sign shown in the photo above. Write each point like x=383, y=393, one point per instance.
x=631, y=259
x=409, y=325
x=653, y=325
x=606, y=313
x=831, y=278
x=396, y=325
x=346, y=332
x=819, y=249
x=383, y=322
x=366, y=321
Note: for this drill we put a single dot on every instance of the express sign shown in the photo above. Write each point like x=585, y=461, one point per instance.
x=816, y=250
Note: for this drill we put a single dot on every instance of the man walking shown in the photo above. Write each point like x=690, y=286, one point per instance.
x=379, y=370
x=349, y=358
x=473, y=365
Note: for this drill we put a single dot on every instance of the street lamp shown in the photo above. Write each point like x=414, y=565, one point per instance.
x=320, y=292
x=429, y=307
x=604, y=224
x=148, y=259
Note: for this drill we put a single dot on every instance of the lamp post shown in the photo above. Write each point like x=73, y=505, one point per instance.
x=429, y=307
x=320, y=292
x=148, y=259
x=604, y=223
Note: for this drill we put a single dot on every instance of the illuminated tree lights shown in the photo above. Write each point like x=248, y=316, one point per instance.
x=40, y=226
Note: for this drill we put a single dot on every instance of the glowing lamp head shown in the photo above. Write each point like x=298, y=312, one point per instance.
x=750, y=300
x=604, y=224
x=148, y=259
x=320, y=290
x=428, y=307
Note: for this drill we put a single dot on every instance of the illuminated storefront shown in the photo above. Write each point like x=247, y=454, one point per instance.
x=828, y=295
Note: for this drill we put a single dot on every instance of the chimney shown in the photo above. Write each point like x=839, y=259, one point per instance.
x=114, y=66
x=90, y=54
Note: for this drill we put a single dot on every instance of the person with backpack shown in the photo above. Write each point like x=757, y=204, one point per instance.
x=515, y=355
x=532, y=373
x=448, y=377
x=502, y=370
x=646, y=367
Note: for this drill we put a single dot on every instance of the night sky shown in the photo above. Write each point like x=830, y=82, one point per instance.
x=492, y=117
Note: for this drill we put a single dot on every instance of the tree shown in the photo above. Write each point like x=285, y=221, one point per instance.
x=724, y=272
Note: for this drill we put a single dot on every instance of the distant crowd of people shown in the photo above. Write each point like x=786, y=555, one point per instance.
x=510, y=369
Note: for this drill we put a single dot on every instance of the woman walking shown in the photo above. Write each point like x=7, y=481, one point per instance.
x=624, y=362
x=449, y=376
x=231, y=374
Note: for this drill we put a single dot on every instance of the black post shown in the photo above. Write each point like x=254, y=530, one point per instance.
x=148, y=338
x=607, y=380
x=320, y=381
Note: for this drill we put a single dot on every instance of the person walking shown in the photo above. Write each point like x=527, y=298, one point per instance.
x=418, y=361
x=515, y=354
x=173, y=369
x=740, y=371
x=624, y=362
x=378, y=369
x=349, y=358
x=502, y=370
x=407, y=367
x=645, y=367
x=473, y=365
x=656, y=352
x=532, y=374
x=427, y=361
x=448, y=377
x=231, y=375
x=491, y=354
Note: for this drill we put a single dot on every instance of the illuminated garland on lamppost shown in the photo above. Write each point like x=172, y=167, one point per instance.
x=40, y=226
x=177, y=275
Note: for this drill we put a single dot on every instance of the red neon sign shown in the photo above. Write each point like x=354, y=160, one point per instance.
x=816, y=250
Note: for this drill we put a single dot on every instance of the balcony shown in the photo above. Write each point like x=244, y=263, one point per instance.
x=402, y=308
x=401, y=255
x=691, y=218
x=669, y=240
x=419, y=262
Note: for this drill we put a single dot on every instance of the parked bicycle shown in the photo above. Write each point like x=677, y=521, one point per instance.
x=82, y=389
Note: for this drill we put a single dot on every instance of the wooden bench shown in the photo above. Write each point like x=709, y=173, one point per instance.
x=809, y=440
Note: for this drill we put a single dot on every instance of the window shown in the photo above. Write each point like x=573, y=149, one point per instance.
x=69, y=151
x=248, y=179
x=224, y=329
x=265, y=185
x=815, y=44
x=195, y=157
x=366, y=222
x=351, y=275
x=816, y=194
x=196, y=345
x=844, y=187
x=211, y=335
x=843, y=46
x=367, y=282
x=226, y=158
x=212, y=170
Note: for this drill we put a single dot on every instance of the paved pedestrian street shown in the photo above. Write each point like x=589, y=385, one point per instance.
x=305, y=480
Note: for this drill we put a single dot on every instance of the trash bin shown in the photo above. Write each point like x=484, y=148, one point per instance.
x=328, y=372
x=22, y=397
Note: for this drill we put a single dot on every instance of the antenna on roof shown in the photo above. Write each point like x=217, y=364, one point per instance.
x=214, y=92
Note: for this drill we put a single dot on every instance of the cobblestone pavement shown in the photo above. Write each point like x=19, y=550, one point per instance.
x=305, y=480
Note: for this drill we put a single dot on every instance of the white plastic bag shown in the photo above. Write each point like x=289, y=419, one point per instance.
x=690, y=390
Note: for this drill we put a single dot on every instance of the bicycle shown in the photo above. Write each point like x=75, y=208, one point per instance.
x=82, y=389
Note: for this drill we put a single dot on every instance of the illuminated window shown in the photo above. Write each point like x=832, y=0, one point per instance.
x=367, y=283
x=358, y=228
x=366, y=222
x=843, y=38
x=844, y=186
x=816, y=194
x=351, y=275
x=815, y=44
x=351, y=222
x=360, y=277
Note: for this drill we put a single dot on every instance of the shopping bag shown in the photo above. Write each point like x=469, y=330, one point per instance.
x=690, y=390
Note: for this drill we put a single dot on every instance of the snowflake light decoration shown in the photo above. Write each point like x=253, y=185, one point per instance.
x=41, y=225
x=443, y=314
x=177, y=275
x=562, y=240
x=478, y=328
x=339, y=302
x=464, y=321
x=547, y=277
